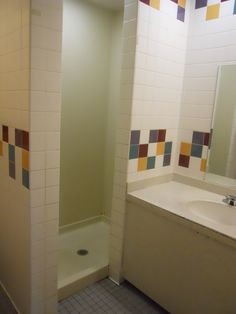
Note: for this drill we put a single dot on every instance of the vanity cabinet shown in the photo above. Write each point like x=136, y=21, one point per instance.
x=182, y=269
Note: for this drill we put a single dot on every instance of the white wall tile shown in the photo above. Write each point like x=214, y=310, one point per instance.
x=52, y=159
x=45, y=105
x=37, y=161
x=52, y=177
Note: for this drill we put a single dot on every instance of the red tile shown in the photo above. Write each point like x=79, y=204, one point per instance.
x=161, y=135
x=143, y=150
x=184, y=161
x=18, y=138
x=5, y=133
x=25, y=140
x=206, y=139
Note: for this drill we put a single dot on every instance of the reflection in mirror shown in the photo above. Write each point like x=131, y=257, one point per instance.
x=222, y=156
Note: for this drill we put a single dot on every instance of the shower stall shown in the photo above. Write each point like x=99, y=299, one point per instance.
x=91, y=66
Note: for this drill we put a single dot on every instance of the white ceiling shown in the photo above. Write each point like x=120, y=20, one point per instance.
x=110, y=4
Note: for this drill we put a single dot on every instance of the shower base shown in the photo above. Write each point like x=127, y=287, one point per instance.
x=75, y=270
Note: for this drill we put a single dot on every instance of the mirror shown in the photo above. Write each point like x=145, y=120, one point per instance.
x=222, y=155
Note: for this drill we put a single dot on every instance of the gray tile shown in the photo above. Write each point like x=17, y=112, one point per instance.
x=107, y=297
x=5, y=304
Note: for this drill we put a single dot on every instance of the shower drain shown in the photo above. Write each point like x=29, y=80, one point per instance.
x=82, y=252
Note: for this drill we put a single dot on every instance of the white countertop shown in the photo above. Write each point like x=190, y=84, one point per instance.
x=173, y=197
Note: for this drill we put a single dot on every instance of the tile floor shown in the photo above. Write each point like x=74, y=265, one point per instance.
x=107, y=297
x=5, y=305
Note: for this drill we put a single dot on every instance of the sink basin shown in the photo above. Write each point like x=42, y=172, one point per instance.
x=212, y=211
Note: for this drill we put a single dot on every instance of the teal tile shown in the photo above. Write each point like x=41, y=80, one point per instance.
x=151, y=162
x=168, y=148
x=25, y=178
x=134, y=151
x=196, y=150
x=12, y=170
x=11, y=152
x=167, y=160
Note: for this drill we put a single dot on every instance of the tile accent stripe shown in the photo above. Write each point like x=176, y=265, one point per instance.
x=213, y=10
x=180, y=7
x=201, y=142
x=148, y=154
x=20, y=140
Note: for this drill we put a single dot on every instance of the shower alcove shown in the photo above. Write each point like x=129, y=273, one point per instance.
x=91, y=63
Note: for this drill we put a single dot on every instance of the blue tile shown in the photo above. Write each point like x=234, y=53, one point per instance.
x=12, y=170
x=18, y=137
x=153, y=136
x=168, y=148
x=196, y=150
x=135, y=137
x=198, y=138
x=134, y=151
x=181, y=14
x=166, y=160
x=11, y=151
x=200, y=4
x=151, y=162
x=25, y=178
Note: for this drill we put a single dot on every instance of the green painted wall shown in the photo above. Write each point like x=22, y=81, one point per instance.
x=223, y=120
x=91, y=38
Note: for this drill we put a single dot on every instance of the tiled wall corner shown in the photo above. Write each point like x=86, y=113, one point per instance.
x=193, y=155
x=122, y=141
x=45, y=103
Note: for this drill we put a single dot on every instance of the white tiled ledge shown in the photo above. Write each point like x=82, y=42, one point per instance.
x=210, y=184
x=169, y=200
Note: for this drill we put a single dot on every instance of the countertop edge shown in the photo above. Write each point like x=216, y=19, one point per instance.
x=193, y=225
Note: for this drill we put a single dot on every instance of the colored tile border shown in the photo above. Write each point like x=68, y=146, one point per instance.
x=195, y=149
x=212, y=9
x=180, y=7
x=20, y=140
x=148, y=153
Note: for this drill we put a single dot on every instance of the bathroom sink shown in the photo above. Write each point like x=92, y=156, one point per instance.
x=212, y=211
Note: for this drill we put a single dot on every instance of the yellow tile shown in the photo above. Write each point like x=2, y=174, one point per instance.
x=160, y=148
x=155, y=4
x=185, y=149
x=182, y=3
x=213, y=12
x=203, y=165
x=0, y=148
x=25, y=159
x=142, y=164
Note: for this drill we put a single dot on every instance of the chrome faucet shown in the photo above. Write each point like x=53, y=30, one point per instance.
x=230, y=200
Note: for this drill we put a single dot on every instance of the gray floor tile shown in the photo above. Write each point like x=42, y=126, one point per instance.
x=107, y=297
x=5, y=304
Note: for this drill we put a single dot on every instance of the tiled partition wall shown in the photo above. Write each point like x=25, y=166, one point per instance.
x=158, y=78
x=122, y=141
x=45, y=101
x=14, y=151
x=211, y=42
x=152, y=73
